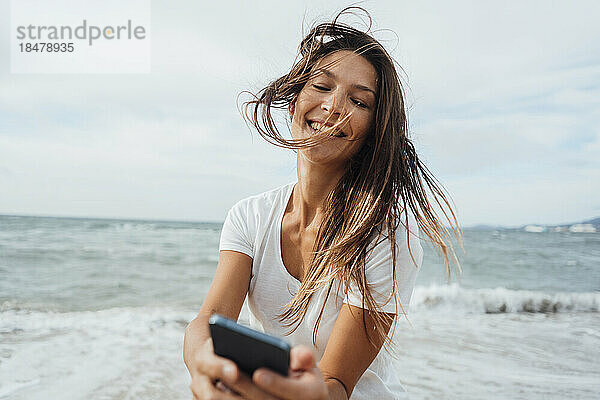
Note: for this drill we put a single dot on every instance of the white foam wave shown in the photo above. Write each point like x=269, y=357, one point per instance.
x=454, y=298
x=116, y=353
x=128, y=320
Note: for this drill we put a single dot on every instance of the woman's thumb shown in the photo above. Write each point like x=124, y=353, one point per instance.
x=302, y=358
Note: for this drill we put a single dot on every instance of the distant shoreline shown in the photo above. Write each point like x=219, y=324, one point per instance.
x=595, y=222
x=120, y=219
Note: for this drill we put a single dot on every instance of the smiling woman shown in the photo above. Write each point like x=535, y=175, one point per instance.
x=328, y=261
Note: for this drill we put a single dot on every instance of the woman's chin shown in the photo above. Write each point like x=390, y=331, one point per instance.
x=320, y=156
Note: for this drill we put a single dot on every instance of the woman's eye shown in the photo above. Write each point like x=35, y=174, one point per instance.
x=319, y=87
x=359, y=103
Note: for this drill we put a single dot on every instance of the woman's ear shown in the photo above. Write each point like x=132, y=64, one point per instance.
x=292, y=106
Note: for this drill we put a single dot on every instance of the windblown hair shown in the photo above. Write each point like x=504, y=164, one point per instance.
x=384, y=181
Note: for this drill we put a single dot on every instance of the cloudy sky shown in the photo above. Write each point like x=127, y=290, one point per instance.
x=504, y=108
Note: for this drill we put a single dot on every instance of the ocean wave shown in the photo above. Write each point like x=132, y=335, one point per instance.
x=454, y=298
x=443, y=299
x=20, y=322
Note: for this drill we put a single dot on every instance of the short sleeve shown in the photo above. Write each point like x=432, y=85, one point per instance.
x=379, y=271
x=235, y=233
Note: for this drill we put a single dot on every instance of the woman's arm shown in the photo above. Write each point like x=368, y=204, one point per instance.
x=226, y=297
x=349, y=353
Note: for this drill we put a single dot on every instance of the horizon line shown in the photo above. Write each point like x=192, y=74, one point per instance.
x=192, y=221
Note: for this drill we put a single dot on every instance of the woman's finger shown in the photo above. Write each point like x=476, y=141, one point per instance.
x=248, y=389
x=203, y=388
x=217, y=367
x=302, y=358
x=221, y=386
x=305, y=385
x=305, y=380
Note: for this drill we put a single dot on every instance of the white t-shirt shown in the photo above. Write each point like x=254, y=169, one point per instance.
x=253, y=227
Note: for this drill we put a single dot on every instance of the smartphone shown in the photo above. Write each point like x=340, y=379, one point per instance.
x=248, y=348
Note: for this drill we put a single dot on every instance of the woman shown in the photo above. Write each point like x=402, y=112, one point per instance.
x=329, y=261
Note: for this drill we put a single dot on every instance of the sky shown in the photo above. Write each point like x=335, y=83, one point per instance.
x=503, y=104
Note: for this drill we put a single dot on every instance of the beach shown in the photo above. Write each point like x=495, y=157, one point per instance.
x=97, y=309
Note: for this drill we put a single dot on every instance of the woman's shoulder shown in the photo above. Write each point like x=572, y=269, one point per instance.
x=264, y=201
x=249, y=220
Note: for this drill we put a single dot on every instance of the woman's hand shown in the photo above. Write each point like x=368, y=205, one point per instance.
x=206, y=370
x=305, y=380
x=212, y=376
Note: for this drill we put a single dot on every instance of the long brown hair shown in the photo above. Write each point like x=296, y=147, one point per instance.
x=385, y=179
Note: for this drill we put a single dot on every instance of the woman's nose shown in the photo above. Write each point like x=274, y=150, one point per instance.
x=332, y=104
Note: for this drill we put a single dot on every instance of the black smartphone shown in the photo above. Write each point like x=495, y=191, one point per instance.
x=248, y=348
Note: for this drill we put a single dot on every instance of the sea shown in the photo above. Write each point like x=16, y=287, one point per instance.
x=96, y=309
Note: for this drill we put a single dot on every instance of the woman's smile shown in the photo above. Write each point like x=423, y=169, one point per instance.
x=318, y=126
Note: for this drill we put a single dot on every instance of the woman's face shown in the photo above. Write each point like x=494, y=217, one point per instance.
x=345, y=91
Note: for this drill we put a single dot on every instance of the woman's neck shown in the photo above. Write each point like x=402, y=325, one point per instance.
x=315, y=182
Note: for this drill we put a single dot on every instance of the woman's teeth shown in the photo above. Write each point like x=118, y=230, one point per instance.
x=317, y=126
